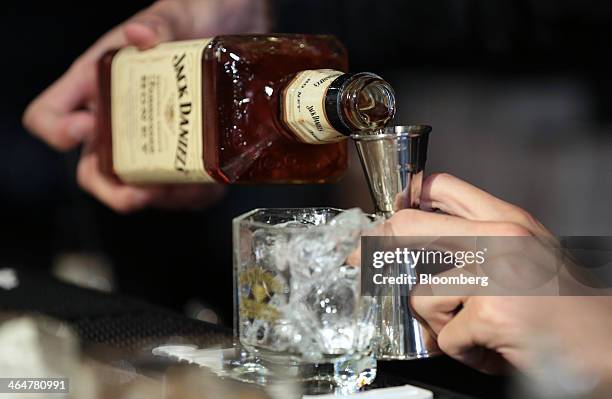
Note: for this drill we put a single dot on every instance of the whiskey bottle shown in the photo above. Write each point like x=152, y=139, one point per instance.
x=235, y=109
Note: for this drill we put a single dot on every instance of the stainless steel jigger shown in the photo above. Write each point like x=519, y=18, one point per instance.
x=394, y=161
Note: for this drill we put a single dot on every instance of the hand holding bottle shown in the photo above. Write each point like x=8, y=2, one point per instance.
x=64, y=114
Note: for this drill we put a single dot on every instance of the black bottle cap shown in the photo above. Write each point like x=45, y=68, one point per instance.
x=333, y=109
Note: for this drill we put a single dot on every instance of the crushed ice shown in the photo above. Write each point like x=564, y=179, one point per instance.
x=320, y=309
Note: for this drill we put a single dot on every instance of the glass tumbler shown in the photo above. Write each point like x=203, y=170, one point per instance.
x=298, y=309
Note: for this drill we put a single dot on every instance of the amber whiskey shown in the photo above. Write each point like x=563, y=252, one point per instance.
x=235, y=109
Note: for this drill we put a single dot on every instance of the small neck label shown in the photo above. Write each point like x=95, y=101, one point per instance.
x=304, y=107
x=156, y=112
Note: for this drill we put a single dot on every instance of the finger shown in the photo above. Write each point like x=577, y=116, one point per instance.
x=458, y=340
x=164, y=21
x=456, y=197
x=118, y=196
x=414, y=222
x=146, y=32
x=62, y=131
x=57, y=115
x=457, y=337
x=436, y=311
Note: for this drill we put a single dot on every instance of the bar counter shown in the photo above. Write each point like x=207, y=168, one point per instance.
x=112, y=328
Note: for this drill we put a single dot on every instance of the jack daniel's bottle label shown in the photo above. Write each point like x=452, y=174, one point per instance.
x=304, y=107
x=156, y=100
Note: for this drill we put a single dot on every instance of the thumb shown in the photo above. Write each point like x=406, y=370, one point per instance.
x=164, y=21
x=147, y=30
